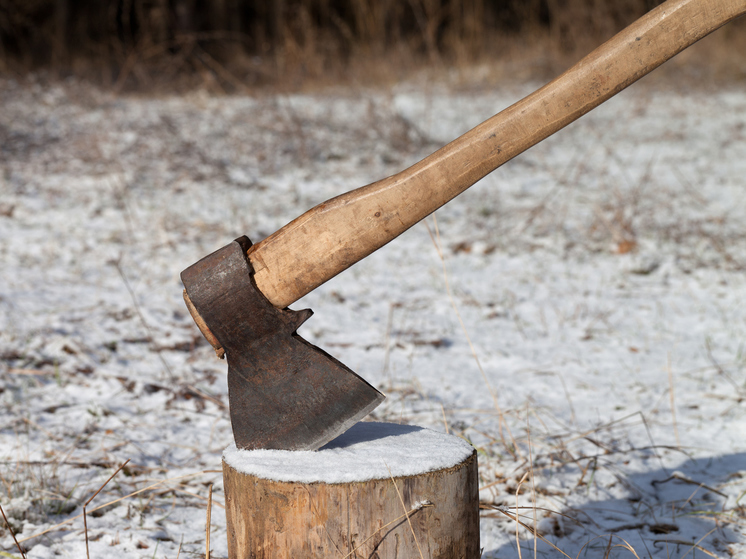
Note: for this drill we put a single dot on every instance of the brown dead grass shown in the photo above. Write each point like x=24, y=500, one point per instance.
x=312, y=44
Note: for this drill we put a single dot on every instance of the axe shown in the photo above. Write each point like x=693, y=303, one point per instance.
x=285, y=393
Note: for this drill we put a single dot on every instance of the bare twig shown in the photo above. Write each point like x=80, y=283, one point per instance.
x=149, y=487
x=720, y=369
x=503, y=424
x=157, y=350
x=673, y=401
x=533, y=479
x=195, y=495
x=682, y=478
x=407, y=514
x=624, y=545
x=409, y=521
x=207, y=527
x=517, y=534
x=608, y=548
x=514, y=518
x=445, y=419
x=85, y=521
x=10, y=529
x=696, y=545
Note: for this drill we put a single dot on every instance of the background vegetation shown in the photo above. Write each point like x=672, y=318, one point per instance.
x=239, y=43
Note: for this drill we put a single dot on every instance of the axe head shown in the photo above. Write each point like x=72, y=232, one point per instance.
x=283, y=392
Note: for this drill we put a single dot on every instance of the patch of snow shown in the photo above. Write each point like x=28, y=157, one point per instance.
x=618, y=368
x=368, y=450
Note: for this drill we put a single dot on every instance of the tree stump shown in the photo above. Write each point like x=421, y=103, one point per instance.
x=379, y=491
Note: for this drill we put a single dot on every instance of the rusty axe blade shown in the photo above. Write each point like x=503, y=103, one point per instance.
x=284, y=392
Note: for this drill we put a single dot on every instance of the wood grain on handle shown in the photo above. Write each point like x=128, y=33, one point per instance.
x=335, y=234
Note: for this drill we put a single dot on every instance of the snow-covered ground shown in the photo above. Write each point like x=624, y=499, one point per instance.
x=599, y=278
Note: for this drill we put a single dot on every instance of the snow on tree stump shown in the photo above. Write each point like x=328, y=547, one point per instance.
x=379, y=491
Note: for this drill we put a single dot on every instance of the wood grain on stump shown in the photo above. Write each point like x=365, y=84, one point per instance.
x=380, y=491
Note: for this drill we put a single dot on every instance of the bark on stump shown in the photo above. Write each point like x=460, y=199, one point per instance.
x=342, y=502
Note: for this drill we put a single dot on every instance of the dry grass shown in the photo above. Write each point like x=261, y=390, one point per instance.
x=627, y=210
x=562, y=454
x=585, y=455
x=300, y=44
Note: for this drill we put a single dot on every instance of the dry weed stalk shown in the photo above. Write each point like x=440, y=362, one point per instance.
x=673, y=400
x=207, y=523
x=407, y=515
x=501, y=417
x=517, y=533
x=445, y=420
x=409, y=520
x=85, y=520
x=12, y=533
x=240, y=43
x=519, y=522
x=132, y=494
x=533, y=477
x=567, y=456
x=166, y=368
x=695, y=545
x=624, y=545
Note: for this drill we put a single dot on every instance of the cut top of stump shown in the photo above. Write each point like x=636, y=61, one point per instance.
x=366, y=451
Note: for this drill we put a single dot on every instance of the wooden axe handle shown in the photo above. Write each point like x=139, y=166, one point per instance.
x=329, y=238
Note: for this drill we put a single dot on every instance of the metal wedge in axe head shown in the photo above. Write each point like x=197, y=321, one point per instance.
x=286, y=393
